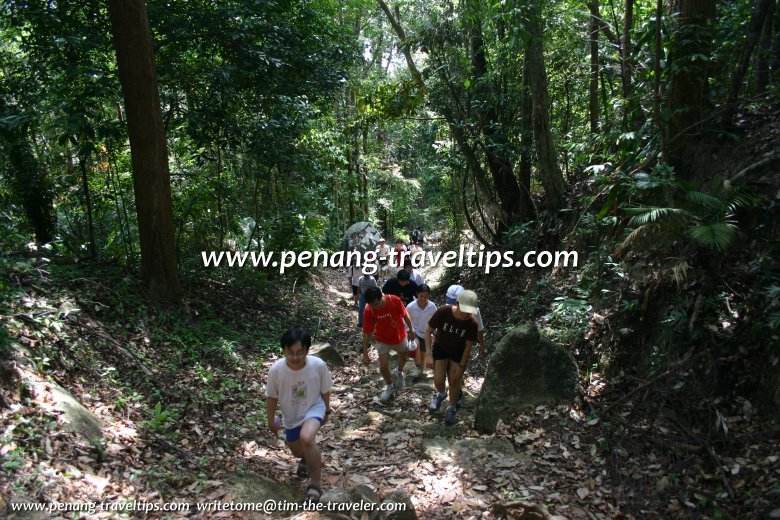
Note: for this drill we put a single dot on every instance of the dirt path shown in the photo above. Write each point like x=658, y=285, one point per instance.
x=543, y=457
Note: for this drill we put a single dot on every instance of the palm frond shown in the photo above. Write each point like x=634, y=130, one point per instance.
x=643, y=230
x=680, y=271
x=717, y=236
x=740, y=199
x=704, y=200
x=644, y=215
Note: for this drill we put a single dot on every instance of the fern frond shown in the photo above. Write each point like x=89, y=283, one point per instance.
x=646, y=229
x=644, y=215
x=740, y=200
x=680, y=272
x=717, y=236
x=704, y=200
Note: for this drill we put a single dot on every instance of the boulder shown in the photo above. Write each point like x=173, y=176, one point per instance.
x=361, y=236
x=247, y=487
x=74, y=416
x=524, y=370
x=402, y=510
x=327, y=353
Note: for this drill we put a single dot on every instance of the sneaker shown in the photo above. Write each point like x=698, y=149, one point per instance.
x=400, y=379
x=438, y=398
x=387, y=394
x=415, y=372
x=460, y=400
x=449, y=417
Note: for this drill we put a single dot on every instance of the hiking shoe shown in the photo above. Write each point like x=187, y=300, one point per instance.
x=302, y=471
x=400, y=379
x=460, y=400
x=438, y=398
x=449, y=417
x=313, y=494
x=387, y=394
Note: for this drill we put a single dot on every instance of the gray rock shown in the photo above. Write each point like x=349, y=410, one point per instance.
x=361, y=236
x=363, y=492
x=249, y=487
x=336, y=495
x=406, y=512
x=524, y=370
x=327, y=353
x=75, y=416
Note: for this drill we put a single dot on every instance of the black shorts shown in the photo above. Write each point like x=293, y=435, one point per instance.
x=439, y=354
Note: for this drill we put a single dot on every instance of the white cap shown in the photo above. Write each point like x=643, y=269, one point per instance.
x=452, y=294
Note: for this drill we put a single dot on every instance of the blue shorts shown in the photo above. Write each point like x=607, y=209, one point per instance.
x=294, y=434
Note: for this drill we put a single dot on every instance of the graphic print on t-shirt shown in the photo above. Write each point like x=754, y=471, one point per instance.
x=299, y=393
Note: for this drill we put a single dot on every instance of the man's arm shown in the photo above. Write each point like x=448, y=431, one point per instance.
x=270, y=413
x=366, y=340
x=409, y=325
x=466, y=352
x=326, y=398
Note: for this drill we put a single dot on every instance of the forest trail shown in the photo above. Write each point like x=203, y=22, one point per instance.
x=174, y=431
x=545, y=457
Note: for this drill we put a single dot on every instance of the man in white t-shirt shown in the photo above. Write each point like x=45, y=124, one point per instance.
x=420, y=311
x=300, y=385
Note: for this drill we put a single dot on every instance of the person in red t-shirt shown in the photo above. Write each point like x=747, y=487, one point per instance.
x=384, y=316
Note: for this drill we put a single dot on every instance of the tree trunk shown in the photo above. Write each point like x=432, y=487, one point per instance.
x=754, y=33
x=88, y=204
x=151, y=178
x=501, y=171
x=30, y=183
x=689, y=84
x=526, y=139
x=549, y=171
x=593, y=94
x=764, y=50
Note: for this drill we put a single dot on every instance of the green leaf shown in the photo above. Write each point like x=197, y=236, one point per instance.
x=717, y=236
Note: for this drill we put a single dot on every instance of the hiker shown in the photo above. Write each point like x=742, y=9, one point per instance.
x=420, y=236
x=300, y=385
x=382, y=254
x=420, y=311
x=413, y=237
x=452, y=294
x=354, y=274
x=456, y=331
x=414, y=274
x=401, y=285
x=384, y=317
x=400, y=253
x=364, y=283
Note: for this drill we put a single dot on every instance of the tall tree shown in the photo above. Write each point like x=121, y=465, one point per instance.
x=31, y=184
x=690, y=56
x=549, y=170
x=135, y=58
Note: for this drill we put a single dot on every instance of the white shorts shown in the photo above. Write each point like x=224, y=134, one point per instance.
x=384, y=348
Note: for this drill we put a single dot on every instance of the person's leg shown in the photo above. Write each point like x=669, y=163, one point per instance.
x=421, y=355
x=293, y=439
x=454, y=378
x=402, y=357
x=384, y=367
x=361, y=308
x=296, y=448
x=310, y=449
x=440, y=374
